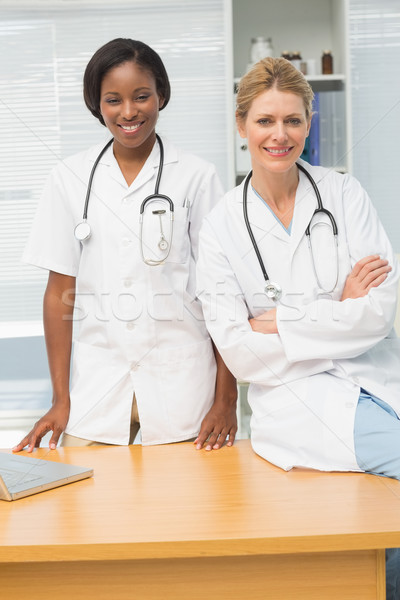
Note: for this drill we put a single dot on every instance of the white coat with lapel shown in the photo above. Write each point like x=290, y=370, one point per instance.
x=305, y=380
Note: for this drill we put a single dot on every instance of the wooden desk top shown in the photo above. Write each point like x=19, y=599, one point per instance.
x=174, y=501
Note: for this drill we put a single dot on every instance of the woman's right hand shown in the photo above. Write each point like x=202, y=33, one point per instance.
x=367, y=273
x=58, y=307
x=54, y=420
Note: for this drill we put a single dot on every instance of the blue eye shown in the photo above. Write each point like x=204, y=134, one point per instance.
x=264, y=121
x=295, y=121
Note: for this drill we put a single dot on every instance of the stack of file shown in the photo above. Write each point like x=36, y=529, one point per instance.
x=326, y=143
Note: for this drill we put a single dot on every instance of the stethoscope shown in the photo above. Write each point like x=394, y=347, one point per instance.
x=83, y=230
x=273, y=290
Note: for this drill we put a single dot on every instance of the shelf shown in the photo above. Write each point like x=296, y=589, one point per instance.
x=335, y=77
x=320, y=83
x=327, y=83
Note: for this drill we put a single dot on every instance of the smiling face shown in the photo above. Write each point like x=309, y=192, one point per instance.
x=276, y=128
x=129, y=105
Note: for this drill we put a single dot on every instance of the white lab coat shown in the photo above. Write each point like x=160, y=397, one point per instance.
x=140, y=328
x=304, y=381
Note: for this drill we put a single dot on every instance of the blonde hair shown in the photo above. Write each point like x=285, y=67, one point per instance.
x=271, y=73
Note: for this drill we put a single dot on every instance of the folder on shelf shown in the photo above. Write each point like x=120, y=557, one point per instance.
x=314, y=138
x=311, y=152
x=306, y=151
x=326, y=143
x=332, y=129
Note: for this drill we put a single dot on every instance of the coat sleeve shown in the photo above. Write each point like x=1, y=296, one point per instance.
x=249, y=355
x=52, y=244
x=335, y=329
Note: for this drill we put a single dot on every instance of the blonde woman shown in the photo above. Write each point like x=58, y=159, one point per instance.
x=299, y=302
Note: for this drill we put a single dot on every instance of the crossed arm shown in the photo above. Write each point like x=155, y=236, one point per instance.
x=367, y=273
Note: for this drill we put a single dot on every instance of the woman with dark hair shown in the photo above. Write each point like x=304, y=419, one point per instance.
x=142, y=356
x=114, y=54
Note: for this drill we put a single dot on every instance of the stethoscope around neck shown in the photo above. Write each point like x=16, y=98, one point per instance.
x=83, y=230
x=274, y=290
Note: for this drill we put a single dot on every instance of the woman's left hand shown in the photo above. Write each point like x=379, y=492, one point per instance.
x=367, y=273
x=219, y=424
x=265, y=323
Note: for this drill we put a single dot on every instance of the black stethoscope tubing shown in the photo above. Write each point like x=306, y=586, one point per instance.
x=89, y=187
x=157, y=186
x=320, y=208
x=273, y=290
x=83, y=229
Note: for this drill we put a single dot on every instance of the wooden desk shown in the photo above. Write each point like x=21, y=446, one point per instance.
x=170, y=522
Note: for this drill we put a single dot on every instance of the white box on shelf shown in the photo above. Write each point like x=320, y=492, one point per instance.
x=242, y=155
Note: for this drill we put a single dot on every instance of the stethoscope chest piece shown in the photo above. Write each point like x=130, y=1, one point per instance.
x=82, y=231
x=273, y=291
x=162, y=244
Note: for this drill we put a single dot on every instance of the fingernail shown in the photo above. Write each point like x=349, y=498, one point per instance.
x=198, y=447
x=52, y=446
x=208, y=448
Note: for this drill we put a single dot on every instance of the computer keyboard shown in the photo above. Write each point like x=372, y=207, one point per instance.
x=13, y=478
